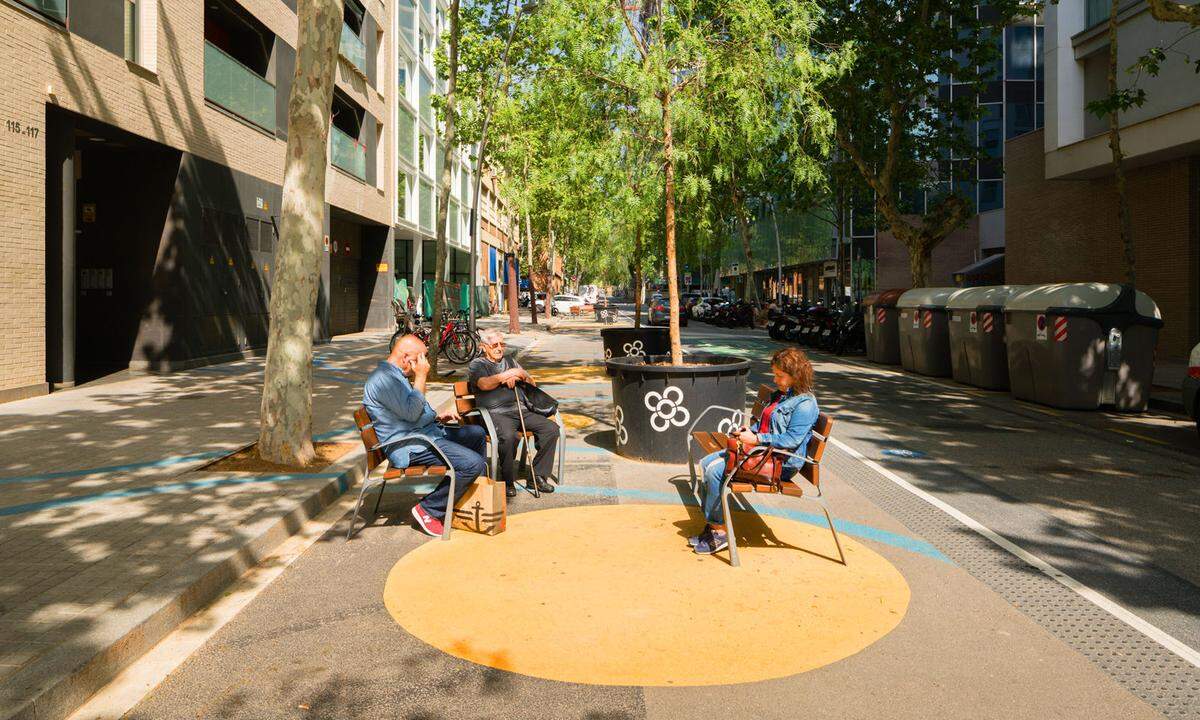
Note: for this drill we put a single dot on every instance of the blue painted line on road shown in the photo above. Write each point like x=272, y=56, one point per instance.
x=903, y=453
x=164, y=489
x=164, y=462
x=335, y=433
x=854, y=529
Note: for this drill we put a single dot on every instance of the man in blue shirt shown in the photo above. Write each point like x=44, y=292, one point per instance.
x=398, y=407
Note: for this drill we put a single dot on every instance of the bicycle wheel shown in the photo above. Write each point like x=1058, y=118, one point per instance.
x=459, y=348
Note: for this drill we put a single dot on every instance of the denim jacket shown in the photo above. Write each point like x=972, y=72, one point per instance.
x=397, y=409
x=791, y=426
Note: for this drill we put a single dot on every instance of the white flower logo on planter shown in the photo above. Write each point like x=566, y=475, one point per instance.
x=731, y=423
x=666, y=409
x=607, y=354
x=634, y=349
x=622, y=433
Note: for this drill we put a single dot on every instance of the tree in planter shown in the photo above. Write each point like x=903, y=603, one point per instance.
x=671, y=57
x=285, y=415
x=897, y=124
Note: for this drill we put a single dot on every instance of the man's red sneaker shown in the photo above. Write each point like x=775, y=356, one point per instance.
x=427, y=523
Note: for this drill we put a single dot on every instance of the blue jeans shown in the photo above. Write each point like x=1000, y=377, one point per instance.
x=713, y=467
x=465, y=447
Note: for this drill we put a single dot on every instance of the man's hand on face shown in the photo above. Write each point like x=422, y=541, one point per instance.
x=420, y=365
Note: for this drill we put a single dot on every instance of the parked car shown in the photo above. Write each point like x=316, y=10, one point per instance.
x=1191, y=387
x=705, y=305
x=660, y=314
x=563, y=303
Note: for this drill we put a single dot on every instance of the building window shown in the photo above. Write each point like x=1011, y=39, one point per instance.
x=1020, y=119
x=991, y=195
x=408, y=21
x=406, y=140
x=402, y=195
x=1019, y=52
x=53, y=9
x=1097, y=11
x=131, y=30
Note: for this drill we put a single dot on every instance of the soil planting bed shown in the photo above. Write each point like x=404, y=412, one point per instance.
x=246, y=460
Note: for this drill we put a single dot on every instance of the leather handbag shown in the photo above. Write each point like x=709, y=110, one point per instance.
x=538, y=400
x=760, y=468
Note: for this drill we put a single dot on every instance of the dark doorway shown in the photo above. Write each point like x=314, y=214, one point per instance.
x=345, y=254
x=103, y=236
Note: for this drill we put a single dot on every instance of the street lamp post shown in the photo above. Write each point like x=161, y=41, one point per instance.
x=778, y=257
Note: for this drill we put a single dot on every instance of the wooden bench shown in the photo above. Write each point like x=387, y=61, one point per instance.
x=809, y=474
x=375, y=457
x=464, y=403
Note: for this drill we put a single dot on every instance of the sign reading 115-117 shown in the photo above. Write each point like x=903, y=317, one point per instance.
x=15, y=126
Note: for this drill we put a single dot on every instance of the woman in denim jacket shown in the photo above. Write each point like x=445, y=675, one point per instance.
x=786, y=423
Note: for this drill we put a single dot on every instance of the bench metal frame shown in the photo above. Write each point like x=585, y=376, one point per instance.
x=381, y=479
x=798, y=477
x=523, y=442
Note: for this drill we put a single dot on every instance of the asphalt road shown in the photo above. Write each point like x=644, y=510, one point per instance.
x=1111, y=501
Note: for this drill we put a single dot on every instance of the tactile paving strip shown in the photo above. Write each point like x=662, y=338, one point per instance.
x=1146, y=669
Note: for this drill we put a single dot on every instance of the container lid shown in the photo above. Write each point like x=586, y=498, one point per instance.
x=1081, y=298
x=988, y=295
x=922, y=297
x=884, y=298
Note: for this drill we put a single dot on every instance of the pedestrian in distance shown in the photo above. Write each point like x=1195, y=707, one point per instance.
x=495, y=379
x=394, y=397
x=786, y=423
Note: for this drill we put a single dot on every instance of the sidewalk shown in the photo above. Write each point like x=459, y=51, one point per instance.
x=109, y=536
x=594, y=601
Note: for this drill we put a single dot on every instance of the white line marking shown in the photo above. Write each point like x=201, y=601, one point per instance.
x=1185, y=652
x=134, y=683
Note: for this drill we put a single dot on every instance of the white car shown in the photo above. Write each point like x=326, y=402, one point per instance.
x=563, y=303
x=705, y=305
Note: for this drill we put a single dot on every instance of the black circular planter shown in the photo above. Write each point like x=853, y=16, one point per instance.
x=654, y=406
x=636, y=342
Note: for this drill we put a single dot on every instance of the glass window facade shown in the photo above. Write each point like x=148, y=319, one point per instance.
x=425, y=103
x=1012, y=105
x=407, y=139
x=427, y=214
x=407, y=11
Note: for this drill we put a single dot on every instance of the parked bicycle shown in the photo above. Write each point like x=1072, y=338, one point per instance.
x=457, y=343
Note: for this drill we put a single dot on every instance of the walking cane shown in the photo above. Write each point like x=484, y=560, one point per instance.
x=537, y=493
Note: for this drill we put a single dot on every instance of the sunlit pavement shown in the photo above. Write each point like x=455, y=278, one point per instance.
x=1048, y=564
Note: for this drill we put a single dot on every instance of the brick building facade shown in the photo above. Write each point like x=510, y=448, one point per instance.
x=140, y=182
x=1067, y=231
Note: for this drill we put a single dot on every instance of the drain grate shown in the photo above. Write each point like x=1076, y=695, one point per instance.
x=1143, y=667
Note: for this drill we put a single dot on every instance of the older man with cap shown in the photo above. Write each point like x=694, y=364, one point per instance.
x=397, y=407
x=494, y=377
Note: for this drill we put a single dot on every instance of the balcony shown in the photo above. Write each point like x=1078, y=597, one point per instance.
x=347, y=154
x=353, y=49
x=238, y=89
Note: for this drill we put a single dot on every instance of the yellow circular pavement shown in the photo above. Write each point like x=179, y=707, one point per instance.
x=612, y=595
